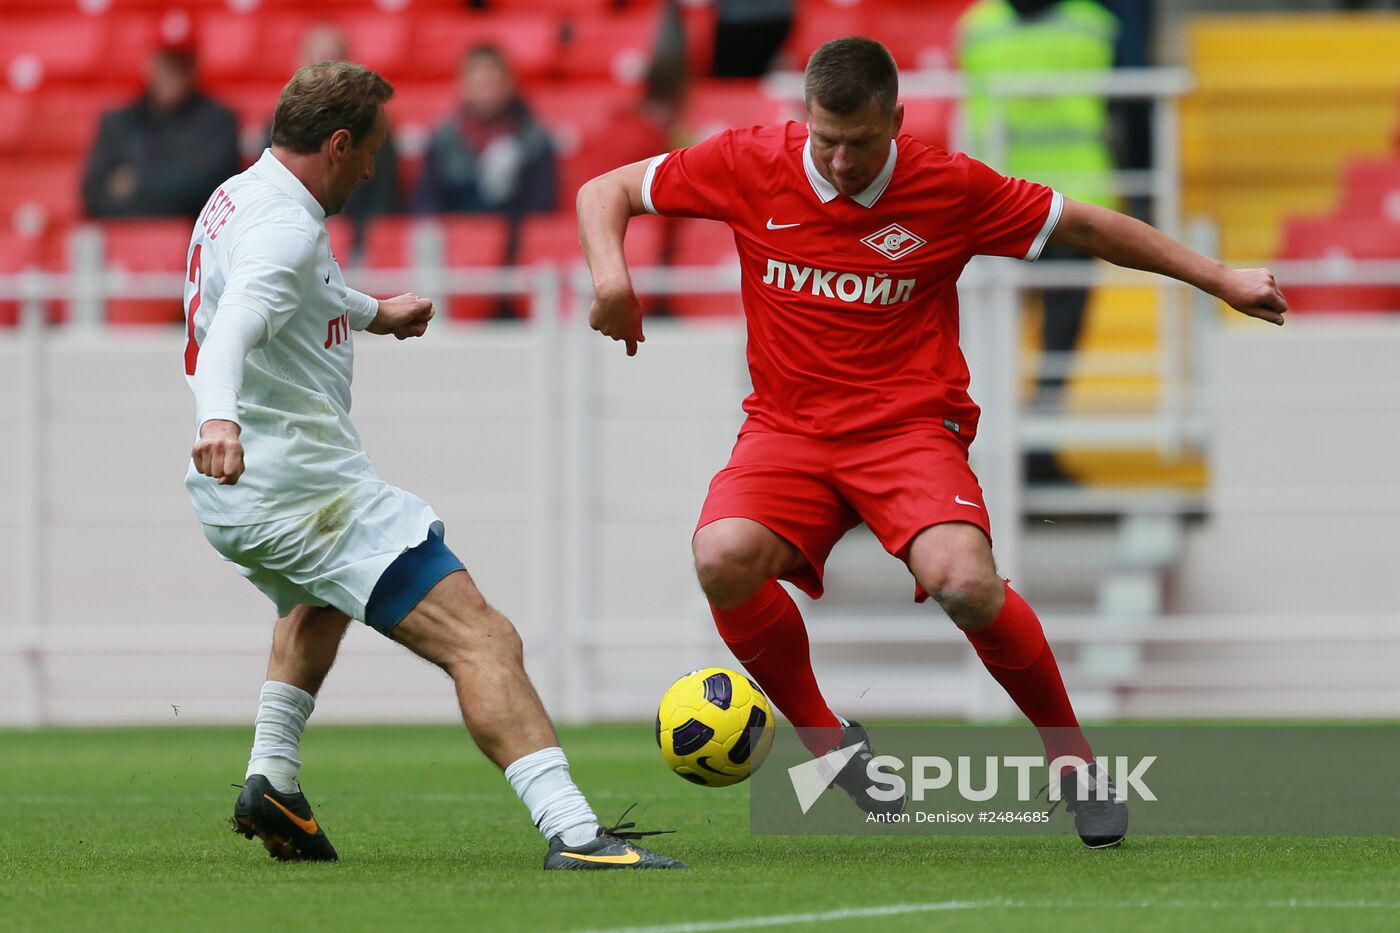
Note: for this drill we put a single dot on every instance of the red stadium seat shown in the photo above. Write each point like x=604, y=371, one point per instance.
x=17, y=253
x=816, y=22
x=1341, y=239
x=40, y=193
x=530, y=41
x=703, y=243
x=130, y=37
x=64, y=121
x=376, y=40
x=1371, y=189
x=342, y=233
x=559, y=6
x=14, y=121
x=473, y=243
x=717, y=105
x=415, y=111
x=917, y=37
x=231, y=45
x=145, y=246
x=617, y=46
x=553, y=239
x=65, y=48
x=929, y=120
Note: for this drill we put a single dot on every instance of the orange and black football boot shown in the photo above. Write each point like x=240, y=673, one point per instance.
x=284, y=823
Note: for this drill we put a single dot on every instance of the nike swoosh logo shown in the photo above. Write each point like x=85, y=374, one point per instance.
x=704, y=762
x=961, y=501
x=773, y=226
x=630, y=858
x=306, y=826
x=328, y=278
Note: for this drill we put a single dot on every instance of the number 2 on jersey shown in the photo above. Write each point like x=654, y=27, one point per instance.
x=196, y=278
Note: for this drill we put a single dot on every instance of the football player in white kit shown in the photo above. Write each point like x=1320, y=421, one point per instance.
x=285, y=491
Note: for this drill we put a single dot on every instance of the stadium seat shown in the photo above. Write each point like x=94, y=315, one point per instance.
x=473, y=243
x=917, y=37
x=14, y=121
x=145, y=246
x=342, y=234
x=17, y=253
x=40, y=193
x=376, y=40
x=816, y=22
x=1340, y=239
x=530, y=42
x=617, y=46
x=64, y=121
x=563, y=7
x=577, y=111
x=1371, y=189
x=553, y=239
x=231, y=45
x=66, y=48
x=928, y=119
x=703, y=243
x=720, y=104
x=130, y=37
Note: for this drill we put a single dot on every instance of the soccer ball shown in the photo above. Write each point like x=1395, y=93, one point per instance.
x=706, y=726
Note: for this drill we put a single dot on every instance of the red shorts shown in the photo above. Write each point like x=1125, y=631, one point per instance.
x=811, y=491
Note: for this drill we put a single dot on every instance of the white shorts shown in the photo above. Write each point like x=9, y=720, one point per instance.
x=332, y=557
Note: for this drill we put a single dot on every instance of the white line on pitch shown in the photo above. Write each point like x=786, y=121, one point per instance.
x=890, y=910
x=783, y=919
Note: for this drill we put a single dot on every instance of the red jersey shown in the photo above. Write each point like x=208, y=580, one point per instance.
x=851, y=302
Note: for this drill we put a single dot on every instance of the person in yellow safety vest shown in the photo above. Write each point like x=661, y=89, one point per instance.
x=1061, y=141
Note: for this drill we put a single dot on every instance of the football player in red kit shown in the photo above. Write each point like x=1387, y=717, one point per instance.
x=851, y=238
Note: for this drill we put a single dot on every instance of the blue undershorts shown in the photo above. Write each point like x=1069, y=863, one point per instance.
x=408, y=579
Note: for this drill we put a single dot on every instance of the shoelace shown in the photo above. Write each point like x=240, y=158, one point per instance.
x=1073, y=803
x=621, y=830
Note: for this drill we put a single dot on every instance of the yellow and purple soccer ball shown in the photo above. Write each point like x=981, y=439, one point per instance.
x=714, y=727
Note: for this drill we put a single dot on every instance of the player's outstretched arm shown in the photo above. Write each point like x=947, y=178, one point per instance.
x=404, y=316
x=605, y=205
x=1125, y=241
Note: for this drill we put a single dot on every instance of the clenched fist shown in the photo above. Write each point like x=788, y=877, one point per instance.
x=1254, y=292
x=219, y=452
x=403, y=316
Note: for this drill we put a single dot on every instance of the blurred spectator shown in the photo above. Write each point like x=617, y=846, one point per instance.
x=324, y=42
x=163, y=155
x=748, y=34
x=1061, y=141
x=490, y=156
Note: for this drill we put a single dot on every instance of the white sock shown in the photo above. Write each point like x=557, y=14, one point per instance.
x=282, y=714
x=557, y=806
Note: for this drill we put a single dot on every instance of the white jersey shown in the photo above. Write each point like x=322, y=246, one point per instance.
x=261, y=244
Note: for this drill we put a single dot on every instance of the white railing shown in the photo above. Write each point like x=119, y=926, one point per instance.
x=569, y=500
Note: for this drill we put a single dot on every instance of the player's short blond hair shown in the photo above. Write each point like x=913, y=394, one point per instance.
x=323, y=98
x=845, y=75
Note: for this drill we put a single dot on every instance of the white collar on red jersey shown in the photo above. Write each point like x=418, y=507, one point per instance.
x=827, y=191
x=272, y=169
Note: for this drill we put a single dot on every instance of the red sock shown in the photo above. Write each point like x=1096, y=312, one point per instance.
x=1016, y=653
x=768, y=637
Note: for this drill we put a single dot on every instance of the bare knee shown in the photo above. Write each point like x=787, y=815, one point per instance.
x=486, y=639
x=455, y=628
x=733, y=557
x=970, y=592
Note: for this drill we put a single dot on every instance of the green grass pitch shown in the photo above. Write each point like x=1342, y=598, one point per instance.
x=127, y=830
